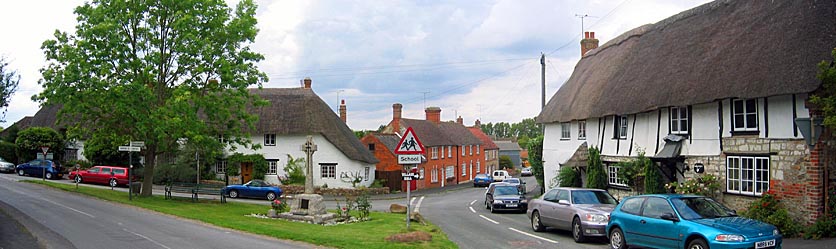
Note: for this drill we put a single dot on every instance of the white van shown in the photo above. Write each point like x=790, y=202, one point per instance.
x=499, y=175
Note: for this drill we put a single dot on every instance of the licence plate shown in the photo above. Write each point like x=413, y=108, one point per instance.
x=765, y=243
x=511, y=205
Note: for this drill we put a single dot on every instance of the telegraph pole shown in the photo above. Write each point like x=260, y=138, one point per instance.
x=543, y=80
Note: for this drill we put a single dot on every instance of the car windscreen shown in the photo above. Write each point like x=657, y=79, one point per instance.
x=701, y=208
x=592, y=197
x=507, y=190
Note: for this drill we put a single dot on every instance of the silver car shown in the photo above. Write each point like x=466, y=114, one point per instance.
x=583, y=211
x=6, y=166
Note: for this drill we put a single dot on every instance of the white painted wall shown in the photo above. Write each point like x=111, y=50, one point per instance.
x=326, y=153
x=703, y=141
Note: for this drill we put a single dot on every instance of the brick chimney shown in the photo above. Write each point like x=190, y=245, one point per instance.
x=588, y=43
x=342, y=110
x=307, y=83
x=460, y=120
x=397, y=108
x=478, y=123
x=433, y=114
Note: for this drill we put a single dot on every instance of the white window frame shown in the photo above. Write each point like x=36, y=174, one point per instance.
x=744, y=113
x=470, y=150
x=272, y=167
x=328, y=170
x=220, y=167
x=620, y=124
x=434, y=175
x=464, y=169
x=678, y=117
x=269, y=139
x=435, y=153
x=451, y=172
x=582, y=130
x=478, y=166
x=747, y=175
x=450, y=151
x=462, y=148
x=612, y=175
x=368, y=173
x=565, y=131
x=478, y=149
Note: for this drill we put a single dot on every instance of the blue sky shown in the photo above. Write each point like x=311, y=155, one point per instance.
x=474, y=59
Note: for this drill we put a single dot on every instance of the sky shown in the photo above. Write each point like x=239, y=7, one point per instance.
x=477, y=59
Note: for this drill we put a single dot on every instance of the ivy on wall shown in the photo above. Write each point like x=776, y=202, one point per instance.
x=259, y=164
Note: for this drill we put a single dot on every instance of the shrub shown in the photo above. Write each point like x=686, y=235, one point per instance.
x=295, y=171
x=825, y=226
x=505, y=163
x=631, y=171
x=596, y=175
x=705, y=185
x=568, y=177
x=653, y=180
x=364, y=206
x=7, y=151
x=769, y=209
x=378, y=183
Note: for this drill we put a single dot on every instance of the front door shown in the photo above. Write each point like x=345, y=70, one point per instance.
x=247, y=171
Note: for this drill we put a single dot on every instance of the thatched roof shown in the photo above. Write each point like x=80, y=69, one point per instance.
x=299, y=111
x=723, y=49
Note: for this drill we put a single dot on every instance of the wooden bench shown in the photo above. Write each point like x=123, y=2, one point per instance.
x=195, y=190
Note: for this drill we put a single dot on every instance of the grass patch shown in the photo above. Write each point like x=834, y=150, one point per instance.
x=368, y=234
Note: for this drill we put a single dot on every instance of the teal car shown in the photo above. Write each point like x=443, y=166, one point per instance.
x=685, y=221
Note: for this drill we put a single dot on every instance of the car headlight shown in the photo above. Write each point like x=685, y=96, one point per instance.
x=497, y=201
x=595, y=217
x=523, y=200
x=775, y=232
x=728, y=237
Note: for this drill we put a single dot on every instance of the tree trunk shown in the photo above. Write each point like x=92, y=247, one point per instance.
x=148, y=173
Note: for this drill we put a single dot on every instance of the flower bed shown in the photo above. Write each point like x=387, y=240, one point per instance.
x=299, y=189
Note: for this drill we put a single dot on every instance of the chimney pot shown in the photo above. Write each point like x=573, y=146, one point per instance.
x=592, y=35
x=307, y=82
x=588, y=43
x=433, y=114
x=478, y=123
x=460, y=120
x=586, y=35
x=396, y=117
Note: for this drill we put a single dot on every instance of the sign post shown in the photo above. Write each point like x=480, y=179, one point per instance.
x=45, y=149
x=134, y=146
x=409, y=151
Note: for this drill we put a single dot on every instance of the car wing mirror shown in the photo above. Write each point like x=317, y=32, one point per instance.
x=563, y=202
x=670, y=217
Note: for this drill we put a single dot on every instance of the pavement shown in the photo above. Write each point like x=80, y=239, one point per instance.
x=795, y=243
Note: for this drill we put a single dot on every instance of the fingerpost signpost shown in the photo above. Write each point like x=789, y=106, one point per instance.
x=134, y=146
x=409, y=151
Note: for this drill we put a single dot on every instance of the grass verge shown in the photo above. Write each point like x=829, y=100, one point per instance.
x=368, y=234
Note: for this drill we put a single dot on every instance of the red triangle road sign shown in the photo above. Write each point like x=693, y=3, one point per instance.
x=409, y=143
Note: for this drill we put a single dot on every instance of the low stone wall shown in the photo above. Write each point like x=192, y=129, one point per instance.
x=299, y=189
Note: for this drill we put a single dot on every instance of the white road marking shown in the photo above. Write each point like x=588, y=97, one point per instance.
x=145, y=237
x=471, y=210
x=483, y=217
x=412, y=201
x=471, y=203
x=418, y=206
x=532, y=235
x=62, y=205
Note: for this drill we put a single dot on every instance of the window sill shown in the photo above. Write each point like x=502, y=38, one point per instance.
x=745, y=133
x=743, y=194
x=620, y=187
x=565, y=139
x=621, y=138
x=582, y=138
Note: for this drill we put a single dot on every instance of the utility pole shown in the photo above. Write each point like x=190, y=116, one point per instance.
x=543, y=81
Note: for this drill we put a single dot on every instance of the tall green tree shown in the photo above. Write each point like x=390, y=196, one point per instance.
x=30, y=140
x=158, y=71
x=596, y=176
x=535, y=157
x=9, y=80
x=826, y=99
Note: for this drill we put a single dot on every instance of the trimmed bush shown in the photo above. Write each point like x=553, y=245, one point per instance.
x=569, y=177
x=596, y=176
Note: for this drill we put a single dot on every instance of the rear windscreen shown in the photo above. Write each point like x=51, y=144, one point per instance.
x=119, y=171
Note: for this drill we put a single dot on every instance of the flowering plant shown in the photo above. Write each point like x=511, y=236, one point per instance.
x=706, y=185
x=278, y=205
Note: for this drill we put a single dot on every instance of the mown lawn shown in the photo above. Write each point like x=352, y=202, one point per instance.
x=368, y=234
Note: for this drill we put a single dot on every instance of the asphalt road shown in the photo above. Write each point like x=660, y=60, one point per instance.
x=61, y=219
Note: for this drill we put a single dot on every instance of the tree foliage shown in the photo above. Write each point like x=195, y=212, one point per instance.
x=630, y=171
x=104, y=150
x=596, y=176
x=826, y=99
x=535, y=158
x=653, y=182
x=569, y=177
x=527, y=127
x=156, y=71
x=505, y=162
x=295, y=169
x=9, y=80
x=30, y=141
x=257, y=160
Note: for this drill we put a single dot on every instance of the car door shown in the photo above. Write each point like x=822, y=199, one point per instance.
x=90, y=174
x=658, y=232
x=104, y=175
x=547, y=207
x=630, y=217
x=563, y=213
x=258, y=189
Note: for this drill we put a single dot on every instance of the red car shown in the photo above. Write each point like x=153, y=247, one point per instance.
x=111, y=175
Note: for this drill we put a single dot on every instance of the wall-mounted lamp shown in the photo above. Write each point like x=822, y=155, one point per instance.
x=699, y=168
x=810, y=129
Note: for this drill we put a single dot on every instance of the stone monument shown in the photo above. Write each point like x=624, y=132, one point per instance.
x=309, y=206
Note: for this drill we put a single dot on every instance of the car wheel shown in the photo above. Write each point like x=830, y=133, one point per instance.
x=617, y=240
x=48, y=175
x=698, y=244
x=271, y=196
x=535, y=222
x=577, y=231
x=78, y=179
x=233, y=193
x=20, y=172
x=113, y=183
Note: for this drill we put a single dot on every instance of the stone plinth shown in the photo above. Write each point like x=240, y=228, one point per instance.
x=307, y=204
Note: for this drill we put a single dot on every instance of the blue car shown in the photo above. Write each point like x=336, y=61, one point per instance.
x=685, y=221
x=482, y=180
x=253, y=189
x=40, y=168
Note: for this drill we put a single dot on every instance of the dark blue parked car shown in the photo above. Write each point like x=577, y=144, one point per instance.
x=482, y=180
x=685, y=221
x=253, y=189
x=40, y=168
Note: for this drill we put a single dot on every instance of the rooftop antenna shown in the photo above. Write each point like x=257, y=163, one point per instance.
x=425, y=99
x=338, y=96
x=582, y=17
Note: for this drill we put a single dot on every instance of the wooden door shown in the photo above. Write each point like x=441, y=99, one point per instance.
x=247, y=171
